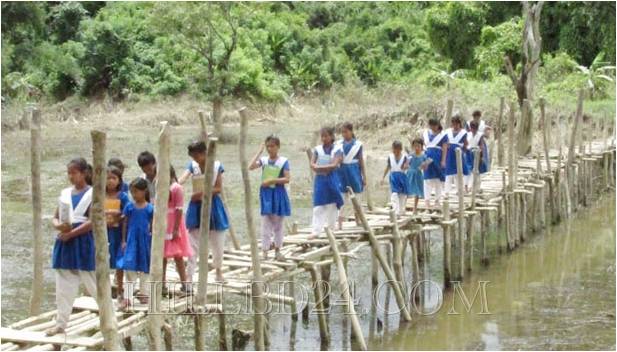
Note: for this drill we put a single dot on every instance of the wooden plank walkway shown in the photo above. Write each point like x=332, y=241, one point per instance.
x=528, y=198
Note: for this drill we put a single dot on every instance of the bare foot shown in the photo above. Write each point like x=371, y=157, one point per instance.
x=54, y=331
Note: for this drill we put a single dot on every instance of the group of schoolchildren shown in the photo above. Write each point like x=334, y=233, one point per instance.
x=129, y=208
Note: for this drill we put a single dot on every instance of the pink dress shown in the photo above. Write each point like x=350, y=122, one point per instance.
x=178, y=247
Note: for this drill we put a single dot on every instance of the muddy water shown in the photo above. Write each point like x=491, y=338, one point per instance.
x=557, y=291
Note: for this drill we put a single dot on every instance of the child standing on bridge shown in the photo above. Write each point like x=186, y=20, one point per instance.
x=136, y=242
x=399, y=185
x=457, y=139
x=218, y=217
x=351, y=172
x=436, y=142
x=418, y=162
x=327, y=198
x=120, y=165
x=476, y=141
x=115, y=201
x=273, y=198
x=73, y=253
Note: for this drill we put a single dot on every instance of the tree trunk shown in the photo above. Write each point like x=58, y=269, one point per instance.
x=108, y=323
x=159, y=228
x=217, y=115
x=37, y=217
x=525, y=131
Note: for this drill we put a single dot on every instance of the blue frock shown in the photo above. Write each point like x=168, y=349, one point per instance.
x=415, y=175
x=218, y=216
x=327, y=187
x=433, y=145
x=114, y=235
x=78, y=253
x=455, y=142
x=349, y=172
x=398, y=179
x=274, y=200
x=136, y=256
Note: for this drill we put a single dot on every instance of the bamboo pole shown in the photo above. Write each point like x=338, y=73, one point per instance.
x=257, y=280
x=344, y=286
x=546, y=125
x=484, y=219
x=573, y=136
x=232, y=229
x=449, y=108
x=37, y=211
x=382, y=261
x=367, y=190
x=447, y=256
x=471, y=231
x=476, y=177
x=324, y=333
x=499, y=131
x=204, y=231
x=159, y=228
x=108, y=323
x=511, y=148
x=397, y=262
x=461, y=211
x=415, y=274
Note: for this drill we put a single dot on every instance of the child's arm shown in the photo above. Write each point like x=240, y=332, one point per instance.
x=336, y=161
x=124, y=225
x=405, y=165
x=62, y=227
x=385, y=172
x=218, y=185
x=362, y=169
x=177, y=201
x=78, y=231
x=444, y=153
x=425, y=163
x=254, y=164
x=184, y=177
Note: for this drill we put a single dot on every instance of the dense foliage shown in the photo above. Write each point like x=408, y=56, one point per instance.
x=53, y=50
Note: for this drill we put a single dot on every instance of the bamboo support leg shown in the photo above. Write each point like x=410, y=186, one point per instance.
x=447, y=250
x=471, y=231
x=484, y=219
x=415, y=274
x=168, y=336
x=324, y=333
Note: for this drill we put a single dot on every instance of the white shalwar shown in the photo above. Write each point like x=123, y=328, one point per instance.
x=216, y=245
x=67, y=289
x=324, y=215
x=399, y=202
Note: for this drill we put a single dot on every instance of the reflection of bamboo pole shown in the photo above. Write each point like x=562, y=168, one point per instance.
x=37, y=218
x=159, y=227
x=355, y=324
x=257, y=280
x=232, y=230
x=108, y=323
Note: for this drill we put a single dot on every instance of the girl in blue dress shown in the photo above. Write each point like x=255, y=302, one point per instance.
x=73, y=252
x=273, y=198
x=436, y=142
x=136, y=241
x=120, y=165
x=457, y=139
x=399, y=186
x=418, y=162
x=115, y=202
x=351, y=171
x=219, y=222
x=475, y=140
x=327, y=198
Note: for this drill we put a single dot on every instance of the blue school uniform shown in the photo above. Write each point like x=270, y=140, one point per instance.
x=476, y=142
x=398, y=178
x=124, y=188
x=415, y=175
x=78, y=253
x=218, y=216
x=136, y=255
x=455, y=142
x=349, y=171
x=433, y=143
x=114, y=234
x=326, y=186
x=274, y=199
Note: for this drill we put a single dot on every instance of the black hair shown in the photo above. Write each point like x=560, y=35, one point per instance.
x=145, y=158
x=327, y=130
x=348, y=126
x=435, y=122
x=476, y=113
x=473, y=124
x=172, y=174
x=89, y=173
x=79, y=163
x=142, y=185
x=117, y=163
x=118, y=173
x=197, y=147
x=457, y=118
x=273, y=138
x=419, y=141
x=397, y=145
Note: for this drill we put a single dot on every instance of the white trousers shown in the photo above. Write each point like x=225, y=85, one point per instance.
x=451, y=183
x=67, y=289
x=324, y=215
x=347, y=208
x=130, y=282
x=271, y=226
x=469, y=180
x=399, y=202
x=431, y=185
x=216, y=246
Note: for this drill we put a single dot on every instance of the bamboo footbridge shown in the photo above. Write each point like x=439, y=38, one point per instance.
x=527, y=195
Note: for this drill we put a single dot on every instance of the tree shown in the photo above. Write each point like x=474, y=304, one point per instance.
x=211, y=30
x=597, y=74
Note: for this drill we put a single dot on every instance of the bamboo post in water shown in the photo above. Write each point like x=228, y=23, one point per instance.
x=204, y=231
x=107, y=318
x=324, y=334
x=37, y=217
x=400, y=300
x=397, y=262
x=511, y=148
x=257, y=279
x=447, y=256
x=499, y=131
x=159, y=228
x=344, y=286
x=461, y=211
x=546, y=125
